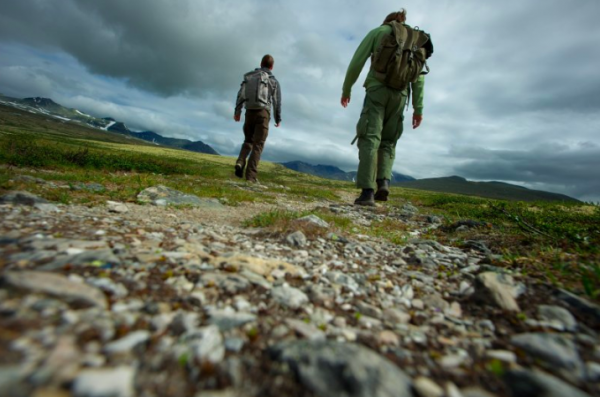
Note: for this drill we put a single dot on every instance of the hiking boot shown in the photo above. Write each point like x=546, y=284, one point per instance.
x=239, y=170
x=383, y=190
x=365, y=198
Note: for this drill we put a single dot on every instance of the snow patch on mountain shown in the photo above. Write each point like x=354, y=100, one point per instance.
x=110, y=124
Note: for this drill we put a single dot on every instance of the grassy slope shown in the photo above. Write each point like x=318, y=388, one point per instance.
x=17, y=121
x=555, y=242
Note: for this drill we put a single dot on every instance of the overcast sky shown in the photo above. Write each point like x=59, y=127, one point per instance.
x=513, y=94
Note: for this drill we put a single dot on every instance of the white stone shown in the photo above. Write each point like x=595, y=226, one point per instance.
x=418, y=304
x=114, y=206
x=314, y=220
x=454, y=310
x=425, y=387
x=56, y=284
x=207, y=344
x=407, y=292
x=229, y=319
x=388, y=338
x=452, y=390
x=306, y=330
x=289, y=296
x=241, y=304
x=497, y=288
x=181, y=284
x=105, y=382
x=454, y=360
x=127, y=343
x=558, y=314
x=503, y=355
x=395, y=316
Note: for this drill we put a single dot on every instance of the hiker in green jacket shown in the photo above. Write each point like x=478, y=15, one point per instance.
x=380, y=123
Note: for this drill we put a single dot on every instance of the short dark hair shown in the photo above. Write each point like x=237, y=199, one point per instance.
x=267, y=62
x=399, y=16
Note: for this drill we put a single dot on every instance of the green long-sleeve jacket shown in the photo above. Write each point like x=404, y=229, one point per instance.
x=364, y=51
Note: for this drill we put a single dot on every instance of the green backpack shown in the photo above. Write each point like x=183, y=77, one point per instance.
x=401, y=56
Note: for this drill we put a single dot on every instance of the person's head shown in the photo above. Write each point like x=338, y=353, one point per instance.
x=398, y=16
x=267, y=62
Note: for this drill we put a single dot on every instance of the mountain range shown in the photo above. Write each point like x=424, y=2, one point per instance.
x=451, y=184
x=50, y=108
x=333, y=172
x=493, y=190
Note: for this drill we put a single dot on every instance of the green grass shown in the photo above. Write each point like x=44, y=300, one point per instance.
x=556, y=242
x=281, y=221
x=273, y=218
x=28, y=151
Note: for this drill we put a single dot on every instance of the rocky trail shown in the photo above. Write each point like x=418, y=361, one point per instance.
x=127, y=300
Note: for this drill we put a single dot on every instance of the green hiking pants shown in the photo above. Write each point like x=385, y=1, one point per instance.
x=378, y=130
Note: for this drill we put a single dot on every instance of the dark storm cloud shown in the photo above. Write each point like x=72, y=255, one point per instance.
x=165, y=47
x=557, y=167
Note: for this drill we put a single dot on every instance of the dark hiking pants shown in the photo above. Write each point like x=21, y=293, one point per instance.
x=256, y=129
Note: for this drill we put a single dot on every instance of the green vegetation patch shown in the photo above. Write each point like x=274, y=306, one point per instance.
x=556, y=242
x=280, y=221
x=26, y=151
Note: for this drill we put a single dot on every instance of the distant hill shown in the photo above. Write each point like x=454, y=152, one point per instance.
x=324, y=171
x=49, y=107
x=16, y=120
x=333, y=172
x=493, y=190
x=151, y=136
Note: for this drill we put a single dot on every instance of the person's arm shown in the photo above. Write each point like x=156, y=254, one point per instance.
x=239, y=102
x=418, y=89
x=277, y=103
x=363, y=52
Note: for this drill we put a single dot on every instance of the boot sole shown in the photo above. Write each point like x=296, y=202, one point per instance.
x=239, y=171
x=382, y=195
x=365, y=203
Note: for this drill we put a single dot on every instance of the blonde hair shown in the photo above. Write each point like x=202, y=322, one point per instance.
x=398, y=16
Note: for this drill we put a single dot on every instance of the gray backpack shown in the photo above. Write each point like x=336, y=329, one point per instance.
x=256, y=90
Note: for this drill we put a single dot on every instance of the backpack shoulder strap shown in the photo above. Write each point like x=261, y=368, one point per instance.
x=400, y=32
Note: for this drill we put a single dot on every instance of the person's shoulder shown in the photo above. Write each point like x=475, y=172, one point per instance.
x=385, y=28
x=253, y=71
x=377, y=32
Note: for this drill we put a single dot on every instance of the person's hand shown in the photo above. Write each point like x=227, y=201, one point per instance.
x=237, y=117
x=345, y=101
x=277, y=124
x=417, y=119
